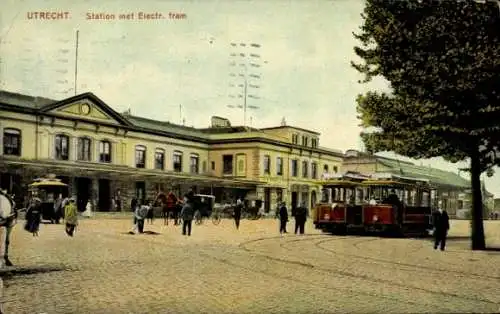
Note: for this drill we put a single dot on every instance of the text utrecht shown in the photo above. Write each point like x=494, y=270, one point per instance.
x=48, y=15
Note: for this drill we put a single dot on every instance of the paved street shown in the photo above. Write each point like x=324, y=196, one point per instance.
x=253, y=270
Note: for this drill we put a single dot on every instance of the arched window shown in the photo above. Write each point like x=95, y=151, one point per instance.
x=84, y=149
x=105, y=151
x=62, y=147
x=194, y=163
x=160, y=159
x=177, y=161
x=12, y=142
x=140, y=156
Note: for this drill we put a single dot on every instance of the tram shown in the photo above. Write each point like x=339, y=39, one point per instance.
x=398, y=204
x=385, y=203
x=47, y=190
x=340, y=207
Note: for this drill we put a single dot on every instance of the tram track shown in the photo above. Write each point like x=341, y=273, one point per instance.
x=423, y=267
x=355, y=276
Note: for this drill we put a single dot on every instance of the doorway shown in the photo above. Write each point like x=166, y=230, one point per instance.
x=140, y=191
x=294, y=200
x=83, y=188
x=267, y=200
x=104, y=195
x=313, y=199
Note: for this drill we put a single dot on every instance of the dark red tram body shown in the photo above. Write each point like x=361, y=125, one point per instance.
x=381, y=202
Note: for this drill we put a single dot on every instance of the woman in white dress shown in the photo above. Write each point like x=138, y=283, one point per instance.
x=88, y=210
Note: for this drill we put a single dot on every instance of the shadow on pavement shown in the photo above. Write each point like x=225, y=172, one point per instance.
x=145, y=232
x=20, y=271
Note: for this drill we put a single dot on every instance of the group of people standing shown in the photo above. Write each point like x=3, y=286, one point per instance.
x=66, y=206
x=300, y=214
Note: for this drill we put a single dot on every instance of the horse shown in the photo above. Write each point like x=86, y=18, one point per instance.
x=8, y=216
x=165, y=201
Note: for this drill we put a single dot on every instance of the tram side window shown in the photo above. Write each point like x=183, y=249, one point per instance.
x=359, y=196
x=324, y=195
x=425, y=199
x=413, y=198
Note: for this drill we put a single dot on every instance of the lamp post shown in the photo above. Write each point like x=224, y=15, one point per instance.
x=246, y=60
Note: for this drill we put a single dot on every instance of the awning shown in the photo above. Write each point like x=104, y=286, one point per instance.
x=91, y=169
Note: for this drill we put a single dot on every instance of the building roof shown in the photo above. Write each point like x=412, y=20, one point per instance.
x=31, y=104
x=436, y=176
x=25, y=101
x=291, y=127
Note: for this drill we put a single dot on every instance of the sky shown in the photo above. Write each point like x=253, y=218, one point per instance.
x=179, y=70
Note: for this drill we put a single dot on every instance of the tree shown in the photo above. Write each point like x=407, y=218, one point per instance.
x=442, y=59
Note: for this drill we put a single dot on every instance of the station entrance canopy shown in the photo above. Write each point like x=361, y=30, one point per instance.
x=127, y=173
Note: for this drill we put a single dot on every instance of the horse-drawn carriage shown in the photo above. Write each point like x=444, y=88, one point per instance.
x=204, y=208
x=48, y=190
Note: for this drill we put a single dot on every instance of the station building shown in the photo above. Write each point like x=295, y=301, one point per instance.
x=109, y=157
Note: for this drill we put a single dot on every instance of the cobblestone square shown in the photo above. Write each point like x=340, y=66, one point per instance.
x=253, y=270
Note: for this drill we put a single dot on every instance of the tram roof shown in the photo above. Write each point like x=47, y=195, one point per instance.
x=47, y=182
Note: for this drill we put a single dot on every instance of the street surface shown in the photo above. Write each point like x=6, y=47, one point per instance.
x=253, y=270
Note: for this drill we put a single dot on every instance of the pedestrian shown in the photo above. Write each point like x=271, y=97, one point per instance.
x=283, y=215
x=134, y=203
x=300, y=218
x=71, y=217
x=140, y=215
x=237, y=212
x=57, y=209
x=441, y=223
x=88, y=210
x=151, y=212
x=187, y=215
x=33, y=216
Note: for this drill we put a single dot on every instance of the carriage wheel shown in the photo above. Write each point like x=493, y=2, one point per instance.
x=216, y=219
x=197, y=218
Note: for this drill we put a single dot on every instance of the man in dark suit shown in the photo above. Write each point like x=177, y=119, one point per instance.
x=283, y=215
x=441, y=227
x=300, y=218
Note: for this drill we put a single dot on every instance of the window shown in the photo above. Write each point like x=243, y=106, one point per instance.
x=140, y=156
x=194, y=164
x=279, y=166
x=104, y=151
x=314, y=170
x=314, y=143
x=213, y=165
x=177, y=161
x=227, y=164
x=335, y=169
x=160, y=159
x=62, y=147
x=325, y=168
x=295, y=139
x=304, y=140
x=83, y=149
x=12, y=142
x=305, y=167
x=267, y=164
x=295, y=168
